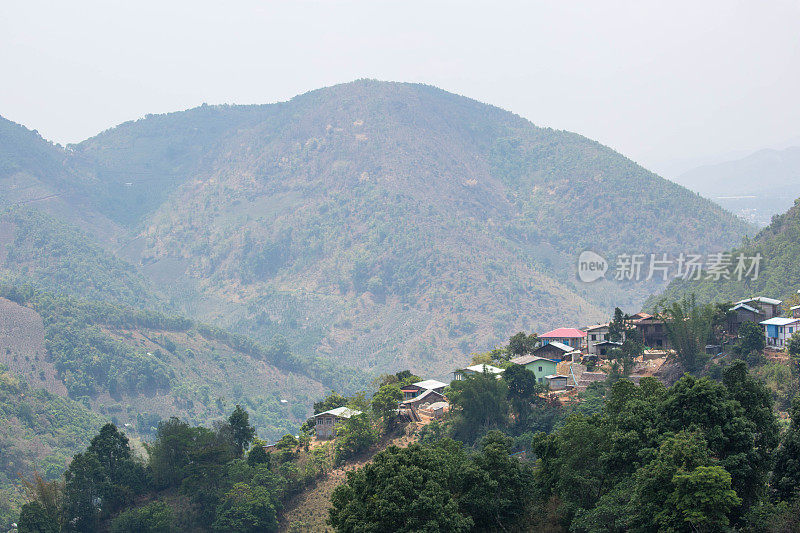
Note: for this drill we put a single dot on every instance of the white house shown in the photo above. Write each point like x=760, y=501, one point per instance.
x=779, y=330
x=326, y=423
x=595, y=334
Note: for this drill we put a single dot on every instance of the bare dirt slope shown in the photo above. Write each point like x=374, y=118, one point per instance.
x=308, y=511
x=22, y=347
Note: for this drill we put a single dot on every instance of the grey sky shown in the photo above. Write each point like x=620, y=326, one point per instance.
x=668, y=84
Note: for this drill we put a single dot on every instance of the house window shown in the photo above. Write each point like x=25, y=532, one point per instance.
x=594, y=337
x=540, y=369
x=791, y=330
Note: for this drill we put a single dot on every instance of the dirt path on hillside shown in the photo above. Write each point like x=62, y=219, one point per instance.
x=308, y=511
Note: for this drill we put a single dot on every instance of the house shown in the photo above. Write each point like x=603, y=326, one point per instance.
x=438, y=409
x=779, y=330
x=603, y=349
x=595, y=334
x=540, y=366
x=795, y=311
x=556, y=382
x=569, y=336
x=556, y=350
x=741, y=313
x=326, y=423
x=415, y=389
x=654, y=332
x=458, y=375
x=422, y=400
x=769, y=307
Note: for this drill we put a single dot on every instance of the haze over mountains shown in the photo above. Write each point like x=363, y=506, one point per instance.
x=756, y=187
x=380, y=225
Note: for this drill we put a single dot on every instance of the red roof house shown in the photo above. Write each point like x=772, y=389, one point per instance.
x=570, y=336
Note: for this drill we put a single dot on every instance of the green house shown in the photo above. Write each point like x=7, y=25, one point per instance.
x=540, y=366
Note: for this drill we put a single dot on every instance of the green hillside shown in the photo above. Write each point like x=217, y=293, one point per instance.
x=60, y=257
x=41, y=431
x=779, y=276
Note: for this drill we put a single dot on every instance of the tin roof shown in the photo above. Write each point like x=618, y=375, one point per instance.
x=779, y=321
x=341, y=412
x=430, y=384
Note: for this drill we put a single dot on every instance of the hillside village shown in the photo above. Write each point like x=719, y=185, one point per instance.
x=566, y=360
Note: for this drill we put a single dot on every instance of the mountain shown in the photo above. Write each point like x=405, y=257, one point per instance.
x=779, y=275
x=388, y=224
x=758, y=186
x=376, y=225
x=38, y=174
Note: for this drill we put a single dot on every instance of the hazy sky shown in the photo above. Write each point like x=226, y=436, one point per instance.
x=666, y=83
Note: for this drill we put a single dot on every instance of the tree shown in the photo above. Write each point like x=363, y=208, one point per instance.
x=172, y=450
x=124, y=475
x=618, y=327
x=332, y=401
x=385, y=400
x=34, y=518
x=756, y=399
x=480, y=404
x=258, y=456
x=689, y=327
x=682, y=489
x=405, y=377
x=751, y=339
x=523, y=391
x=46, y=500
x=83, y=491
x=786, y=474
x=246, y=508
x=521, y=344
x=402, y=489
x=241, y=429
x=354, y=436
x=156, y=517
x=494, y=486
x=793, y=347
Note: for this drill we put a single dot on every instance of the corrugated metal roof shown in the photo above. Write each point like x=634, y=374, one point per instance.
x=744, y=306
x=762, y=299
x=488, y=368
x=430, y=384
x=779, y=321
x=528, y=359
x=341, y=412
x=561, y=346
x=422, y=396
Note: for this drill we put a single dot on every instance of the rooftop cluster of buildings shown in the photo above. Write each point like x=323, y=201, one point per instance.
x=556, y=360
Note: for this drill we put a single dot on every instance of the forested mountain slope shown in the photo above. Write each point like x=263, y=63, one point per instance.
x=779, y=276
x=138, y=367
x=394, y=224
x=376, y=224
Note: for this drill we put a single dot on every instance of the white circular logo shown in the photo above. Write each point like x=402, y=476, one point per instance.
x=591, y=266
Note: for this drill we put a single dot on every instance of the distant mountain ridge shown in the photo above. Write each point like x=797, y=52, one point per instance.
x=760, y=185
x=378, y=224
